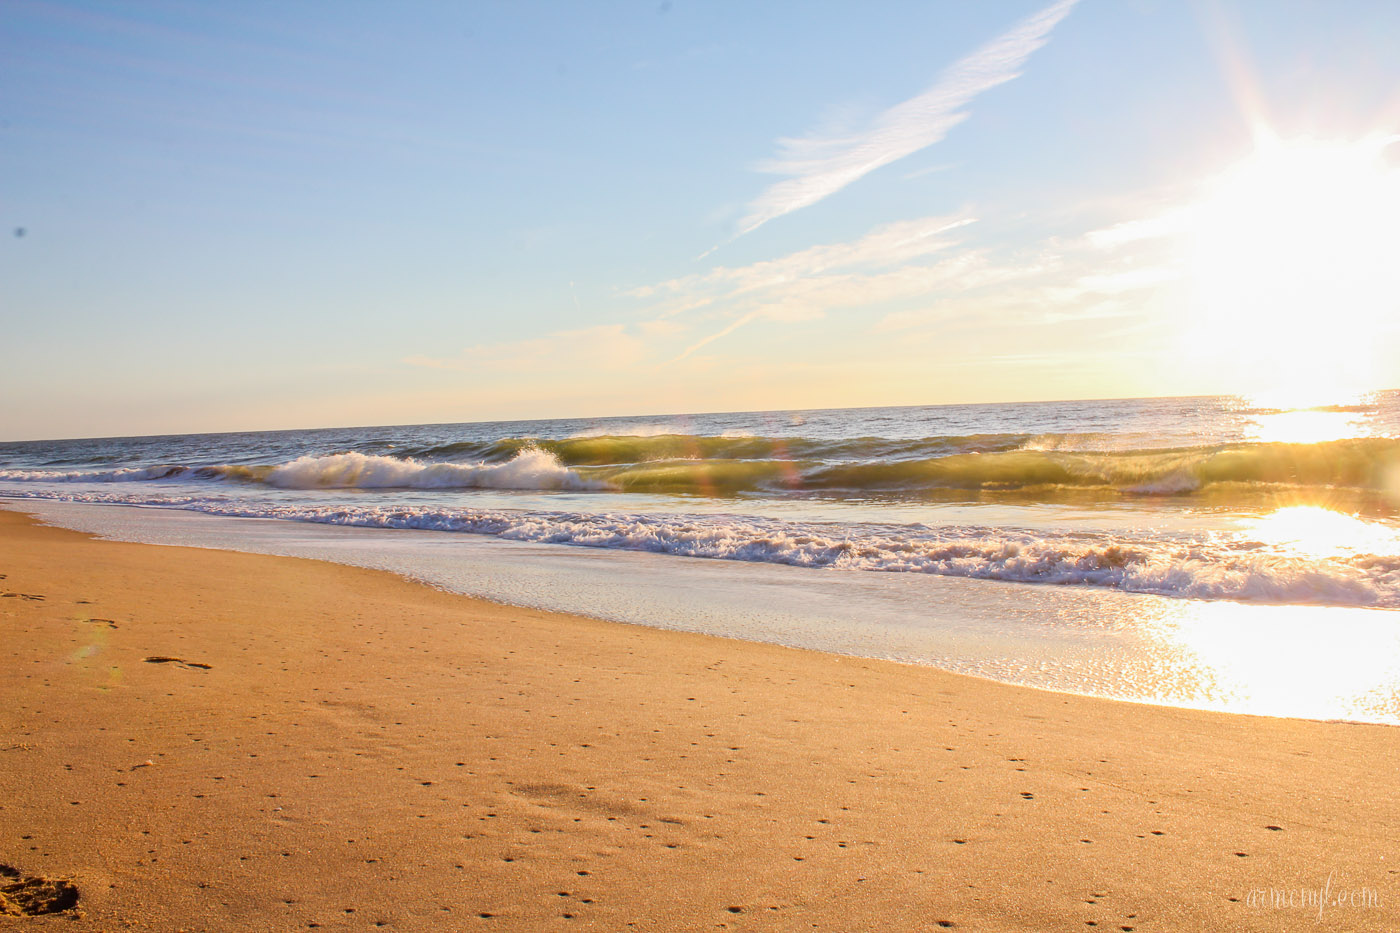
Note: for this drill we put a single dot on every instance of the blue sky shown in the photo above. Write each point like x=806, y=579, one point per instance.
x=264, y=215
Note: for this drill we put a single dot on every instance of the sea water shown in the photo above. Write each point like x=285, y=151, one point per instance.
x=1200, y=551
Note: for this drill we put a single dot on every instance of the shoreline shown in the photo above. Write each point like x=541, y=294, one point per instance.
x=1229, y=656
x=366, y=750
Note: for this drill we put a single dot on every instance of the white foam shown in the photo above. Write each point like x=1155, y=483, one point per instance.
x=1203, y=567
x=122, y=475
x=531, y=468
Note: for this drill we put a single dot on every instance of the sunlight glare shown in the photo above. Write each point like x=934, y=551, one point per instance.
x=1314, y=531
x=1305, y=426
x=1269, y=660
x=1294, y=262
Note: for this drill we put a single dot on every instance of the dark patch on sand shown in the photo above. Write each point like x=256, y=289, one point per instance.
x=167, y=659
x=34, y=895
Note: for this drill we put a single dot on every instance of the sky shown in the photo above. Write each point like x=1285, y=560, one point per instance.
x=262, y=215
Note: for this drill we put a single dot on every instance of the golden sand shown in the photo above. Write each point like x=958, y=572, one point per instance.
x=206, y=740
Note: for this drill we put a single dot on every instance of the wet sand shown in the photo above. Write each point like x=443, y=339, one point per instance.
x=205, y=740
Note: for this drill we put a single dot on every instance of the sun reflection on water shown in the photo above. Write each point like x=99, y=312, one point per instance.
x=1306, y=417
x=1314, y=531
x=1284, y=660
x=1308, y=426
x=1313, y=661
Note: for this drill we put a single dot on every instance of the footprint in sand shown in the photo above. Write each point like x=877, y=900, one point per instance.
x=166, y=659
x=33, y=895
x=110, y=623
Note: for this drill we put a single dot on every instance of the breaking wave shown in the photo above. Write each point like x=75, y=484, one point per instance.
x=1028, y=466
x=530, y=468
x=1184, y=566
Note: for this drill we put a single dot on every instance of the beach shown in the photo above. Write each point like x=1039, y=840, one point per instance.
x=206, y=740
x=681, y=466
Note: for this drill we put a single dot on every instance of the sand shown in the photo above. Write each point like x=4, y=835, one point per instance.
x=205, y=740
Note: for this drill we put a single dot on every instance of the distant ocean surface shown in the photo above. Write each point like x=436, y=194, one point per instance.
x=1190, y=498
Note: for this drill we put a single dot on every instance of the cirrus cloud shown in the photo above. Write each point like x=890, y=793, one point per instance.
x=819, y=165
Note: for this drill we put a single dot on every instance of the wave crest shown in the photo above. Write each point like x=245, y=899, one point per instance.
x=530, y=468
x=943, y=467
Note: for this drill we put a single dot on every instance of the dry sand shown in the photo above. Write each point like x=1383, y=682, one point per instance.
x=204, y=740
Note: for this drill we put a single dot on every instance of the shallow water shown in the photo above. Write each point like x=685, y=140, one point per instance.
x=1263, y=659
x=1207, y=498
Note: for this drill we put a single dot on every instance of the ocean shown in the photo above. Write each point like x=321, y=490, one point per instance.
x=1041, y=543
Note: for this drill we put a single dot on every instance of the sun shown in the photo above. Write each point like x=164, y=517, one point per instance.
x=1295, y=263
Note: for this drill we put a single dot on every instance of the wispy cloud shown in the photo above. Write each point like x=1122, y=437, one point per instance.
x=891, y=262
x=919, y=276
x=1111, y=272
x=929, y=282
x=886, y=246
x=1172, y=222
x=819, y=165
